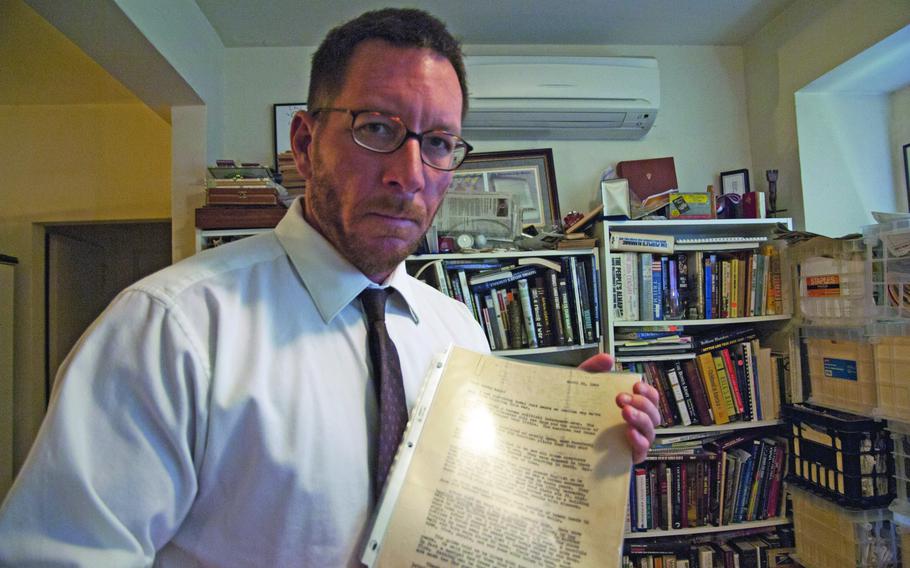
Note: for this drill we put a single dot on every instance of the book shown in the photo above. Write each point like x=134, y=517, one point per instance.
x=527, y=311
x=639, y=242
x=464, y=485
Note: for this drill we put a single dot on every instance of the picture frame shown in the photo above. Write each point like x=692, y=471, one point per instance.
x=907, y=172
x=528, y=175
x=734, y=182
x=282, y=115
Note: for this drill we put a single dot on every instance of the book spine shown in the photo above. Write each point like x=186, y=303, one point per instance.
x=555, y=305
x=566, y=311
x=546, y=325
x=709, y=283
x=724, y=383
x=515, y=324
x=515, y=276
x=699, y=392
x=488, y=327
x=534, y=294
x=708, y=373
x=631, y=285
x=584, y=295
x=617, y=279
x=441, y=281
x=646, y=300
x=465, y=290
x=679, y=395
x=526, y=310
x=682, y=276
x=577, y=300
x=733, y=377
x=635, y=242
x=596, y=315
x=657, y=290
x=500, y=327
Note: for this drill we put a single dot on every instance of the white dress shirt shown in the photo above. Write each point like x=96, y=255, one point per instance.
x=221, y=413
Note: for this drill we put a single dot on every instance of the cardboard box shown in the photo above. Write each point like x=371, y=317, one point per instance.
x=692, y=206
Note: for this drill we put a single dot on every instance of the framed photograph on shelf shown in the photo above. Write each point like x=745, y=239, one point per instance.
x=907, y=171
x=527, y=175
x=735, y=181
x=282, y=114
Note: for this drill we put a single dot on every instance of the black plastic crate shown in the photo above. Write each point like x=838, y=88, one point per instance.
x=840, y=455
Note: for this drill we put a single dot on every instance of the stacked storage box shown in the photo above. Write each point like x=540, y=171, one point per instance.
x=854, y=316
x=829, y=536
x=843, y=457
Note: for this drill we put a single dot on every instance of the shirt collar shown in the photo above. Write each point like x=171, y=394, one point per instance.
x=331, y=280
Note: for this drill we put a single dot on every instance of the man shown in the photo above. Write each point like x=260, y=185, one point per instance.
x=222, y=412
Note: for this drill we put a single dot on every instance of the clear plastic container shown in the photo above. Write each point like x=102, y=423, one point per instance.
x=841, y=370
x=900, y=436
x=830, y=536
x=833, y=287
x=891, y=355
x=888, y=274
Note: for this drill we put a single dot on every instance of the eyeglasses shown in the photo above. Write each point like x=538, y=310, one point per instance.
x=385, y=133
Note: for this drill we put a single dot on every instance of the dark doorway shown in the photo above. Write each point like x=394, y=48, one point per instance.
x=86, y=266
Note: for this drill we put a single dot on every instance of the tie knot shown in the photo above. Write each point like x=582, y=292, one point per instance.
x=373, y=300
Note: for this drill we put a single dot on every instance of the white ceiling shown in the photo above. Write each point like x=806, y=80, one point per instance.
x=249, y=23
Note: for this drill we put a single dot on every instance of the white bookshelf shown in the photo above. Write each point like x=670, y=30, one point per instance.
x=561, y=354
x=746, y=525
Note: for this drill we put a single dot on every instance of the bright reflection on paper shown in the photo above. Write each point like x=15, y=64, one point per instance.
x=478, y=431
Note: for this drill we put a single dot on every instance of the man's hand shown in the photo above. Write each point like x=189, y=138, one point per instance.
x=639, y=409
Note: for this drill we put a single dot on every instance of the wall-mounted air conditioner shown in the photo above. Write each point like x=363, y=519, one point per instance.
x=581, y=98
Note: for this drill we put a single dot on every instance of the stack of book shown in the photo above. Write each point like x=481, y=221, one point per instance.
x=726, y=480
x=696, y=284
x=728, y=377
x=743, y=549
x=526, y=302
x=291, y=179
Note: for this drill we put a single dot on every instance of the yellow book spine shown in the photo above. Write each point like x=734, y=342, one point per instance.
x=724, y=383
x=712, y=385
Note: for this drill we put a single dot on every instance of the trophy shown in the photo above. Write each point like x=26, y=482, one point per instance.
x=771, y=176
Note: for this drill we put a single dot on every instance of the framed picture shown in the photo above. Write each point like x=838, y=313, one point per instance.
x=907, y=171
x=527, y=175
x=282, y=115
x=735, y=181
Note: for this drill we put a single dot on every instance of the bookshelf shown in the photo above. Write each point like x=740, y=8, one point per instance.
x=754, y=425
x=578, y=273
x=744, y=526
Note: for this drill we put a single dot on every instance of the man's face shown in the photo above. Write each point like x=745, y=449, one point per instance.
x=376, y=207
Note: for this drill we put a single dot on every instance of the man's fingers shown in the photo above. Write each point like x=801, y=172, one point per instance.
x=640, y=433
x=599, y=363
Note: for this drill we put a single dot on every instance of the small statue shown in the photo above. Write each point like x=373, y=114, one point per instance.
x=771, y=176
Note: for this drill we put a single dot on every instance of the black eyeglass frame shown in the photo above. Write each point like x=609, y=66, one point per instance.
x=408, y=133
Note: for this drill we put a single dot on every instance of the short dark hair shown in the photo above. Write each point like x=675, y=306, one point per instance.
x=401, y=27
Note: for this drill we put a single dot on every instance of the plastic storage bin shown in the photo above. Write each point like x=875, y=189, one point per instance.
x=833, y=284
x=888, y=274
x=900, y=437
x=840, y=367
x=891, y=356
x=845, y=457
x=902, y=527
x=830, y=536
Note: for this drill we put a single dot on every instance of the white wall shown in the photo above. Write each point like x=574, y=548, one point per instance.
x=900, y=135
x=702, y=121
x=183, y=35
x=845, y=160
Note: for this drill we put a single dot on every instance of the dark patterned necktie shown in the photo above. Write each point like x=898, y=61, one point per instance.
x=393, y=410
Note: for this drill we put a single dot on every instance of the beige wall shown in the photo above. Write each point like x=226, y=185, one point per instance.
x=806, y=41
x=76, y=147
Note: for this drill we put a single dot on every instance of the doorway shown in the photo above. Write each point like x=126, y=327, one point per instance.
x=86, y=266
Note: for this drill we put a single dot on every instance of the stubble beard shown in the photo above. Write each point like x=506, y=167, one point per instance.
x=370, y=258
